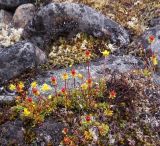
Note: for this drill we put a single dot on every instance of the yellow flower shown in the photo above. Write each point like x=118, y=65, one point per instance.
x=34, y=84
x=146, y=72
x=154, y=60
x=88, y=135
x=108, y=112
x=21, y=85
x=33, y=104
x=68, y=103
x=49, y=96
x=65, y=76
x=70, y=65
x=26, y=112
x=80, y=76
x=45, y=87
x=12, y=87
x=84, y=86
x=105, y=53
x=103, y=129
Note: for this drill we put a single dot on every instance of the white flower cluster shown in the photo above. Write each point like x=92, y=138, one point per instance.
x=9, y=36
x=133, y=22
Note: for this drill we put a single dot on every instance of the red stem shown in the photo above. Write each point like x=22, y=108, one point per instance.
x=88, y=69
x=74, y=82
x=65, y=85
x=55, y=88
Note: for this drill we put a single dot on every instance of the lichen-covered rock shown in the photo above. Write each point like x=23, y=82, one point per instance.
x=154, y=46
x=49, y=132
x=155, y=22
x=12, y=4
x=60, y=19
x=15, y=133
x=7, y=100
x=17, y=58
x=5, y=17
x=98, y=69
x=23, y=14
x=12, y=133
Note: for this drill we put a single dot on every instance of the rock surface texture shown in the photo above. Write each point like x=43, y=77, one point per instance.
x=155, y=22
x=143, y=41
x=58, y=19
x=49, y=132
x=154, y=31
x=12, y=4
x=23, y=14
x=119, y=64
x=5, y=17
x=11, y=133
x=154, y=46
x=14, y=133
x=17, y=58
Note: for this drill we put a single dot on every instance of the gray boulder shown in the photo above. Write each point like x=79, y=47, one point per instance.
x=12, y=4
x=17, y=58
x=23, y=14
x=67, y=19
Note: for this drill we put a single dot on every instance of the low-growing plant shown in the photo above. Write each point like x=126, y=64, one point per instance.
x=88, y=108
x=88, y=96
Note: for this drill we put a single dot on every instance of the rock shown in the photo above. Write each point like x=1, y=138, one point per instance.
x=11, y=133
x=23, y=14
x=17, y=58
x=12, y=4
x=6, y=96
x=7, y=99
x=49, y=132
x=15, y=133
x=155, y=22
x=5, y=17
x=67, y=19
x=98, y=69
x=154, y=46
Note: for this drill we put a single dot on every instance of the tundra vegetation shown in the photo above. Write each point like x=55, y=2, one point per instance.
x=111, y=111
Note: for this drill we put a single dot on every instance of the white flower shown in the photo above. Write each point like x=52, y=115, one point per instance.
x=78, y=35
x=111, y=139
x=111, y=47
x=94, y=132
x=7, y=38
x=4, y=32
x=144, y=28
x=134, y=19
x=131, y=24
x=83, y=46
x=137, y=2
